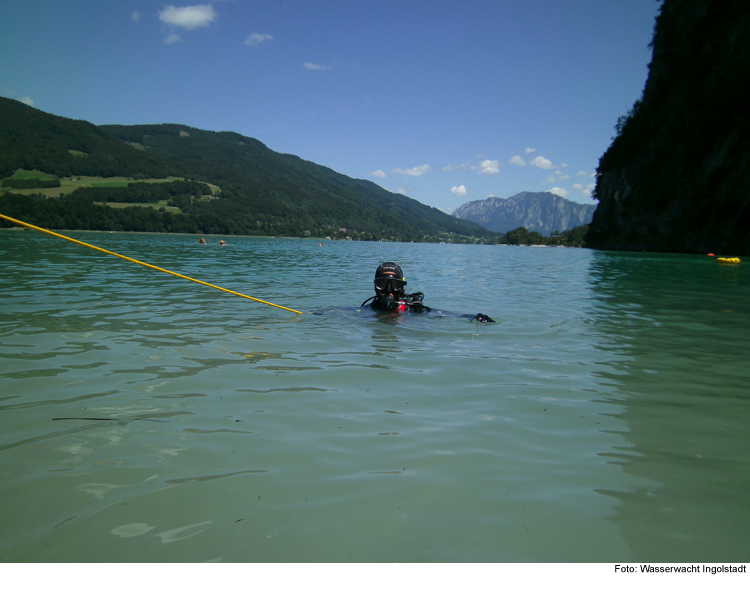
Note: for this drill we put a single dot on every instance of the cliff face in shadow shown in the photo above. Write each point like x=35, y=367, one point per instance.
x=676, y=178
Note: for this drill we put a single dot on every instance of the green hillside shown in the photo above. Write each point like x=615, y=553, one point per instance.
x=33, y=140
x=261, y=192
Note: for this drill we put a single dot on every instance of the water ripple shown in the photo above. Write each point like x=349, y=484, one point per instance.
x=610, y=396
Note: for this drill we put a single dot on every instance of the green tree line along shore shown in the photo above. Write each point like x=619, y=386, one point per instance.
x=187, y=207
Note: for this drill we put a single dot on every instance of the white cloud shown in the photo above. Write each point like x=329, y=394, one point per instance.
x=256, y=39
x=26, y=100
x=530, y=150
x=459, y=191
x=401, y=191
x=312, y=66
x=416, y=171
x=558, y=191
x=378, y=173
x=489, y=167
x=517, y=160
x=188, y=17
x=172, y=38
x=555, y=178
x=585, y=190
x=582, y=173
x=541, y=162
x=456, y=167
x=136, y=16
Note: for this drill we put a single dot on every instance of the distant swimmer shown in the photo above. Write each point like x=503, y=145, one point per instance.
x=390, y=294
x=222, y=243
x=202, y=241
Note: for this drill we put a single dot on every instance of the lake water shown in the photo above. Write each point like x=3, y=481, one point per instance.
x=604, y=417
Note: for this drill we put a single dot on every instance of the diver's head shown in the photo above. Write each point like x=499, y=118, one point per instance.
x=389, y=284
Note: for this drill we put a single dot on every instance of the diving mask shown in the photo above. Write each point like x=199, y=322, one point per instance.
x=389, y=285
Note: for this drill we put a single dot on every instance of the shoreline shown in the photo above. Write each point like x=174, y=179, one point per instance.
x=319, y=240
x=24, y=229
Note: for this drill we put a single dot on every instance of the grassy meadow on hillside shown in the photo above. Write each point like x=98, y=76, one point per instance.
x=68, y=185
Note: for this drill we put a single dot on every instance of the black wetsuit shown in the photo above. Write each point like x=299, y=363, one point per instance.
x=413, y=303
x=399, y=303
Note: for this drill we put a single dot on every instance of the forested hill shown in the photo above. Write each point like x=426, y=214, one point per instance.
x=676, y=175
x=34, y=140
x=292, y=190
x=262, y=192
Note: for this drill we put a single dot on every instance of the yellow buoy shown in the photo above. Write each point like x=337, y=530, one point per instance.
x=731, y=261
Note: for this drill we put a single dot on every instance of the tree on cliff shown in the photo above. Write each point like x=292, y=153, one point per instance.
x=675, y=177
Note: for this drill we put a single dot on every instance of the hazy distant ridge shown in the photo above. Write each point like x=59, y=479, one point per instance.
x=537, y=212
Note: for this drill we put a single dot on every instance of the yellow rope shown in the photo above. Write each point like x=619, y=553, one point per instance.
x=114, y=254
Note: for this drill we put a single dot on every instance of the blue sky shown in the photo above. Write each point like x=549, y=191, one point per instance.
x=446, y=102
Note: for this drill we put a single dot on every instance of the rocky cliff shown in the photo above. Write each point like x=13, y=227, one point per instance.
x=675, y=178
x=537, y=212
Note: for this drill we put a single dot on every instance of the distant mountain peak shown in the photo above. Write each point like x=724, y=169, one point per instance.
x=542, y=212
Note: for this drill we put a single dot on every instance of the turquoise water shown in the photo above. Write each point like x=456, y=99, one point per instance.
x=605, y=417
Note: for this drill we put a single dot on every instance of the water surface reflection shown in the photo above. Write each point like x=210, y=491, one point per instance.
x=678, y=330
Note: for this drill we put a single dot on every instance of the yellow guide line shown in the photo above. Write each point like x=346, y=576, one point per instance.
x=114, y=254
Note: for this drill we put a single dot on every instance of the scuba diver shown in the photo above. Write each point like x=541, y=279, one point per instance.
x=390, y=294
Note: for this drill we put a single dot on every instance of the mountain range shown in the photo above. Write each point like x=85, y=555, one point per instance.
x=262, y=192
x=67, y=174
x=537, y=212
